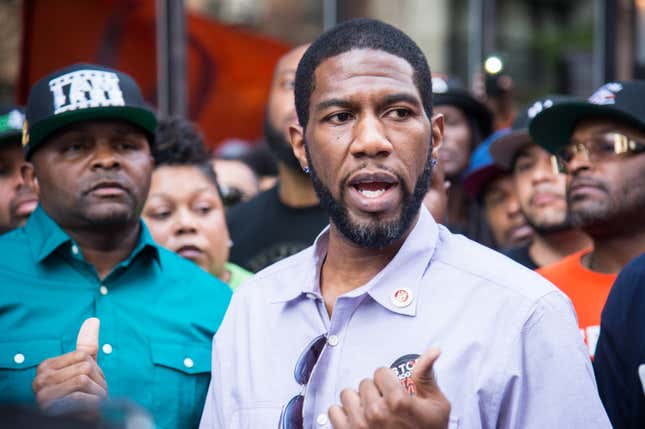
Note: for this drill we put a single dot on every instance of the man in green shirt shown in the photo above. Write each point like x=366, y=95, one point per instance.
x=85, y=253
x=17, y=195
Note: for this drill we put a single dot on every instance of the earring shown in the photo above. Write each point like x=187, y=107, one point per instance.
x=306, y=169
x=433, y=163
x=230, y=243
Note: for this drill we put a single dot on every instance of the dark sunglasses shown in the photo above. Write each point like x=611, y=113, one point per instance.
x=291, y=416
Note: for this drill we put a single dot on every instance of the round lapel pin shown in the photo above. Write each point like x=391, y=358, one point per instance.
x=402, y=297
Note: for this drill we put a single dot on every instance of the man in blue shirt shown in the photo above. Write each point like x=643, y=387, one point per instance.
x=85, y=253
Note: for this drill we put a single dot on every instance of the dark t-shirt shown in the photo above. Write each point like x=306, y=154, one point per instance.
x=621, y=348
x=264, y=230
x=521, y=256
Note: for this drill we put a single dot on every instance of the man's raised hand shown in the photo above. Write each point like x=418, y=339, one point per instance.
x=382, y=402
x=73, y=380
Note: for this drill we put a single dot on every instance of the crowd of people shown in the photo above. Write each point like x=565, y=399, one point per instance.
x=387, y=257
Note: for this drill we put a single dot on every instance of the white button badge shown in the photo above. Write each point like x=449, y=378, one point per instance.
x=402, y=297
x=19, y=358
x=322, y=419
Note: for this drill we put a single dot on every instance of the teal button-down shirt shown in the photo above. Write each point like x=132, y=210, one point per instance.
x=158, y=314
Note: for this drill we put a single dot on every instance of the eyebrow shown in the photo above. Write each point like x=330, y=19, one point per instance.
x=333, y=102
x=387, y=100
x=401, y=97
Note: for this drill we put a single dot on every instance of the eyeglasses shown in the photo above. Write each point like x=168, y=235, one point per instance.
x=291, y=416
x=598, y=148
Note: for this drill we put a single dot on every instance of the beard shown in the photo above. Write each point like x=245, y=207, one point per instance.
x=376, y=234
x=280, y=146
x=618, y=215
x=545, y=227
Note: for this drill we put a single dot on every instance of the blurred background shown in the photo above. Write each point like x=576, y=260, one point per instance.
x=211, y=60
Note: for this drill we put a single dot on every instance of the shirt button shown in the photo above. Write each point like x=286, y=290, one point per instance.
x=103, y=289
x=188, y=362
x=19, y=358
x=322, y=419
x=332, y=340
x=75, y=249
x=107, y=348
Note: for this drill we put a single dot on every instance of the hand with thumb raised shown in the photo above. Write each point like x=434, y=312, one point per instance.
x=382, y=402
x=88, y=337
x=72, y=380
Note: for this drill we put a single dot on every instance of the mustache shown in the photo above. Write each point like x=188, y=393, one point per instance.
x=578, y=181
x=94, y=182
x=548, y=190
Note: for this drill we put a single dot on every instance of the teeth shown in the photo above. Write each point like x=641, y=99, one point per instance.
x=371, y=194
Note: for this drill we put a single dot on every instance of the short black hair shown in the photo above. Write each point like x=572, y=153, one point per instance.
x=178, y=142
x=360, y=34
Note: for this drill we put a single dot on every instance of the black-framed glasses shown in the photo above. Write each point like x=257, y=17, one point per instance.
x=291, y=416
x=597, y=148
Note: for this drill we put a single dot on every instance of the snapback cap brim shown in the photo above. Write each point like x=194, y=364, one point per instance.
x=504, y=149
x=477, y=180
x=143, y=118
x=552, y=128
x=12, y=136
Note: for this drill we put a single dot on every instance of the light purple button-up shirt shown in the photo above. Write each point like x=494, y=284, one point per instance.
x=512, y=356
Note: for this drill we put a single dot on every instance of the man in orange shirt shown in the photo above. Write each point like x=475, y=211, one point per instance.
x=599, y=145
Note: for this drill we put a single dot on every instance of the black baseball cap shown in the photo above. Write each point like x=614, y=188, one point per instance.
x=505, y=148
x=448, y=91
x=79, y=93
x=11, y=122
x=622, y=101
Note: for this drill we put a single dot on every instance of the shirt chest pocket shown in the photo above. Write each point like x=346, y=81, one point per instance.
x=181, y=378
x=18, y=363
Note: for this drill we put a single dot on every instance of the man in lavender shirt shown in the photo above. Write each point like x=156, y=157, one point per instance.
x=343, y=323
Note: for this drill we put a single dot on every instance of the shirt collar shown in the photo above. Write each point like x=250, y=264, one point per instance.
x=45, y=236
x=405, y=270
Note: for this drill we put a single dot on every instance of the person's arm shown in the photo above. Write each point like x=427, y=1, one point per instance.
x=548, y=379
x=218, y=406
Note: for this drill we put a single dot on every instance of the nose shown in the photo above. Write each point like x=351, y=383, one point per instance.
x=579, y=161
x=513, y=207
x=543, y=171
x=104, y=157
x=370, y=139
x=184, y=223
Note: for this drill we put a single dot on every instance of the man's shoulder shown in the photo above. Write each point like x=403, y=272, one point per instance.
x=277, y=276
x=489, y=268
x=627, y=296
x=14, y=248
x=182, y=272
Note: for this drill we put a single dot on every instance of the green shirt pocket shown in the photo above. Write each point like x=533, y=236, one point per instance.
x=181, y=378
x=18, y=363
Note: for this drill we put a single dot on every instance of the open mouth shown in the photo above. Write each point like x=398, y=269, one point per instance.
x=374, y=191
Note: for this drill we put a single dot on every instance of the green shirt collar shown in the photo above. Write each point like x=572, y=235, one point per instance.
x=45, y=236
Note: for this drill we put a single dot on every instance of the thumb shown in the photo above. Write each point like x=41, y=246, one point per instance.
x=423, y=375
x=88, y=336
